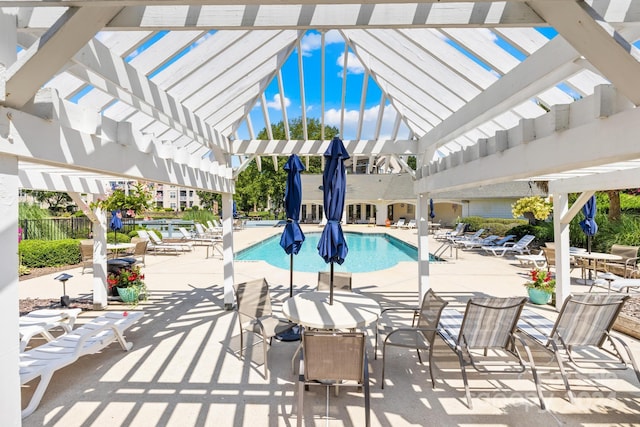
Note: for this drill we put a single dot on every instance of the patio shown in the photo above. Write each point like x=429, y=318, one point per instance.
x=183, y=369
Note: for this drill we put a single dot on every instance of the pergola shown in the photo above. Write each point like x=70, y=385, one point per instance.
x=158, y=90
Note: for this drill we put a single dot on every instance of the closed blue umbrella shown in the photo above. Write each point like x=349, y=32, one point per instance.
x=332, y=246
x=292, y=236
x=116, y=223
x=432, y=211
x=588, y=224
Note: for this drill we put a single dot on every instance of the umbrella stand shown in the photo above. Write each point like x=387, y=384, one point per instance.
x=291, y=275
x=331, y=286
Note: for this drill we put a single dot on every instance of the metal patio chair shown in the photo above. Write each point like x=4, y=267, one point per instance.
x=585, y=321
x=256, y=315
x=485, y=335
x=341, y=281
x=333, y=359
x=420, y=337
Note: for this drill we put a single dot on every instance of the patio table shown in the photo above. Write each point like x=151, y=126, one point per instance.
x=349, y=310
x=595, y=257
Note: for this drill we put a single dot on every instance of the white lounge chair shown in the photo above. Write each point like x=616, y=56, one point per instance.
x=41, y=322
x=398, y=224
x=157, y=245
x=611, y=282
x=411, y=224
x=90, y=338
x=459, y=238
x=477, y=243
x=535, y=260
x=212, y=243
x=521, y=246
x=445, y=235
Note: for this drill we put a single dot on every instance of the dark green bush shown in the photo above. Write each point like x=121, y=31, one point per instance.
x=543, y=232
x=498, y=226
x=118, y=237
x=49, y=253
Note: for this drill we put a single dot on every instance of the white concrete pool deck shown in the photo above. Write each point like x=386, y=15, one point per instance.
x=184, y=369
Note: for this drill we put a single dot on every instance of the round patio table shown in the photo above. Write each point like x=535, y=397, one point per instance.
x=349, y=310
x=595, y=257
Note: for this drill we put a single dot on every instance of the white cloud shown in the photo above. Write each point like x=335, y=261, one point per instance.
x=312, y=41
x=488, y=34
x=354, y=66
x=276, y=104
x=369, y=121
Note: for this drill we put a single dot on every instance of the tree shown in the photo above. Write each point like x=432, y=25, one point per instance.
x=208, y=199
x=615, y=210
x=55, y=200
x=255, y=188
x=135, y=200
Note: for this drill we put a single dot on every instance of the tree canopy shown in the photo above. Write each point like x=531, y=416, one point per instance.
x=255, y=188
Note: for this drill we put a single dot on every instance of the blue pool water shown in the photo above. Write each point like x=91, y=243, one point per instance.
x=367, y=252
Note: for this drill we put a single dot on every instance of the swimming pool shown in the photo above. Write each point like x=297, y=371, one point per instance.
x=367, y=252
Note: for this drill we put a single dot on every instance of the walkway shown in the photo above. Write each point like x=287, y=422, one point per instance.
x=184, y=370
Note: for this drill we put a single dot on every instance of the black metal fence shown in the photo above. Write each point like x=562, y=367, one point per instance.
x=64, y=228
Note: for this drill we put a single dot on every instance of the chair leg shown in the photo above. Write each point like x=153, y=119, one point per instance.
x=37, y=395
x=464, y=379
x=367, y=405
x=562, y=371
x=534, y=372
x=265, y=344
x=301, y=388
x=384, y=360
x=433, y=381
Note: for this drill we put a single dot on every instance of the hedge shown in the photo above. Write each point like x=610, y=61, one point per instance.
x=49, y=253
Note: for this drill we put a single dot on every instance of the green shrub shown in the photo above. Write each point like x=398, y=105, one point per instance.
x=543, y=232
x=200, y=216
x=121, y=237
x=498, y=226
x=49, y=253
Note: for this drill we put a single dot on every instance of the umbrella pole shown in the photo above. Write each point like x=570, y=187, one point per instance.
x=291, y=276
x=331, y=286
x=589, y=250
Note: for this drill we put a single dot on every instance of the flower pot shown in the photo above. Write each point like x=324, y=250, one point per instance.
x=129, y=295
x=537, y=296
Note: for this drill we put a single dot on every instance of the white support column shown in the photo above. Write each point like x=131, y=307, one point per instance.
x=10, y=388
x=561, y=236
x=381, y=213
x=227, y=245
x=422, y=215
x=99, y=230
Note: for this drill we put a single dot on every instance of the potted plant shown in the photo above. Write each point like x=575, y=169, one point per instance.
x=534, y=208
x=129, y=283
x=541, y=287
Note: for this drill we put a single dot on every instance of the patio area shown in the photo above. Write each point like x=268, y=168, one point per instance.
x=184, y=368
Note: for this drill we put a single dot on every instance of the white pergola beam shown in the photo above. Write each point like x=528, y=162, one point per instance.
x=546, y=67
x=41, y=177
x=614, y=180
x=567, y=148
x=51, y=52
x=312, y=15
x=108, y=72
x=606, y=50
x=317, y=147
x=35, y=139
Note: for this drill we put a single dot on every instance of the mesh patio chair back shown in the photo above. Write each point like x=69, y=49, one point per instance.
x=86, y=252
x=341, y=281
x=586, y=319
x=140, y=250
x=490, y=322
x=331, y=358
x=429, y=314
x=334, y=356
x=254, y=300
